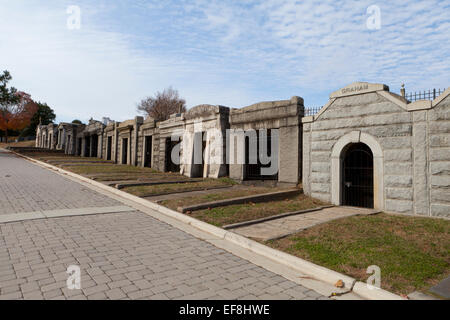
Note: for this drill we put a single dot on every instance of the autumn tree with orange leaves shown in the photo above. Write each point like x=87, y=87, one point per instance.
x=16, y=108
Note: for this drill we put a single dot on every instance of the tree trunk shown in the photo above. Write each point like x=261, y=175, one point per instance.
x=6, y=136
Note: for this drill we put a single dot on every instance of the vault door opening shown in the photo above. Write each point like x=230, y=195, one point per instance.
x=358, y=176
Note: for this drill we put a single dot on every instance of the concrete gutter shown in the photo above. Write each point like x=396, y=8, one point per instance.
x=265, y=197
x=315, y=271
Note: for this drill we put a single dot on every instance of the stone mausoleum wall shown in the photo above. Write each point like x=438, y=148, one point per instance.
x=284, y=115
x=92, y=136
x=149, y=128
x=110, y=131
x=173, y=126
x=129, y=130
x=437, y=129
x=409, y=144
x=211, y=122
x=409, y=141
x=52, y=136
x=41, y=136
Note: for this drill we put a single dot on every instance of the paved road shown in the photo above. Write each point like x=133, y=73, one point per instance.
x=127, y=255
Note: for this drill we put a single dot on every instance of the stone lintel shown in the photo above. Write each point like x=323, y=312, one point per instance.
x=419, y=105
x=205, y=111
x=266, y=111
x=359, y=88
x=307, y=119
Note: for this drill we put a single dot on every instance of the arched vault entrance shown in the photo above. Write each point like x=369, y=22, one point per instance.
x=357, y=153
x=357, y=179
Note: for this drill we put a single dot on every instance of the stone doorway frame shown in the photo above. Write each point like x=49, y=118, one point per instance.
x=337, y=167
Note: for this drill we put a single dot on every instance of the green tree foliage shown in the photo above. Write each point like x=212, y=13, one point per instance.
x=8, y=96
x=43, y=115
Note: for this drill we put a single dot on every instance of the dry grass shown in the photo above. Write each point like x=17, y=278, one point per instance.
x=244, y=212
x=58, y=157
x=413, y=253
x=114, y=172
x=147, y=191
x=30, y=143
x=68, y=160
x=108, y=168
x=136, y=177
x=215, y=196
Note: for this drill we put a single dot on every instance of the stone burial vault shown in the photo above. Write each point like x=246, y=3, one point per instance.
x=369, y=147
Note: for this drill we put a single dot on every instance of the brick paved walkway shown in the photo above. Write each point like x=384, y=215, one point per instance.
x=126, y=255
x=26, y=187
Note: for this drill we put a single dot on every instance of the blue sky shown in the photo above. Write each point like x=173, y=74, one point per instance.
x=232, y=53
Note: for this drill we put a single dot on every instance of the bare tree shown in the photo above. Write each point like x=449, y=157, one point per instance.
x=162, y=105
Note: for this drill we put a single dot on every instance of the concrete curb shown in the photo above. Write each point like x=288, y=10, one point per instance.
x=361, y=289
x=303, y=266
x=417, y=295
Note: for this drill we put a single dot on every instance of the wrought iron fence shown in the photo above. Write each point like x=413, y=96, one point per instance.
x=412, y=96
x=424, y=95
x=312, y=111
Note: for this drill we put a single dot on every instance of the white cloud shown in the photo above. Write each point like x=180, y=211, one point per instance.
x=233, y=53
x=315, y=43
x=89, y=72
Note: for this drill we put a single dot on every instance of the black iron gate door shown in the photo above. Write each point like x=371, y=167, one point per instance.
x=253, y=171
x=358, y=176
x=94, y=145
x=125, y=151
x=170, y=165
x=148, y=151
x=109, y=152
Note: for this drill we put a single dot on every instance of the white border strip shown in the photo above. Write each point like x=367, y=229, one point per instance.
x=57, y=213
